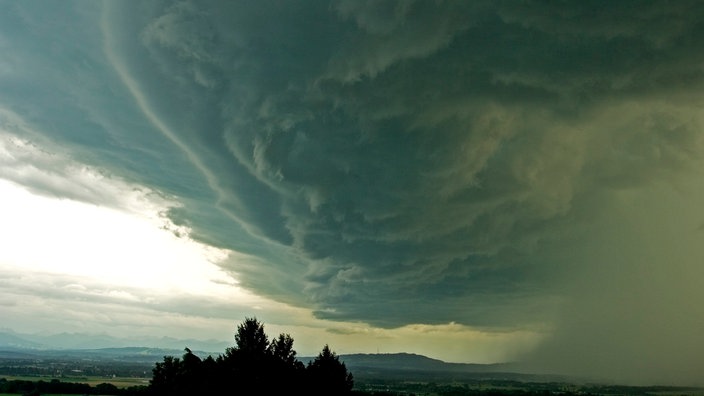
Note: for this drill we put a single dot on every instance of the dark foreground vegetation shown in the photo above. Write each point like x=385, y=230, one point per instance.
x=55, y=386
x=255, y=364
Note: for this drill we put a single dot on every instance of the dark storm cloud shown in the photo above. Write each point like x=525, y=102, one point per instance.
x=403, y=162
x=408, y=148
x=413, y=149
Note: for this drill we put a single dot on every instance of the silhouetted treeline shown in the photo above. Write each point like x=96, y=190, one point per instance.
x=35, y=388
x=254, y=364
x=39, y=387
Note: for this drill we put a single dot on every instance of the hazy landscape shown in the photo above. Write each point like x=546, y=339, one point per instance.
x=429, y=196
x=128, y=371
x=381, y=374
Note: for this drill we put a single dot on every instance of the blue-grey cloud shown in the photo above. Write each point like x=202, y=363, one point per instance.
x=390, y=162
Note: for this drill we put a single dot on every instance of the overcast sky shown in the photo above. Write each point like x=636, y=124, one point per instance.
x=473, y=181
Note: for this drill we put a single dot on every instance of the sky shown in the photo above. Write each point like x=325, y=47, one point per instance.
x=473, y=181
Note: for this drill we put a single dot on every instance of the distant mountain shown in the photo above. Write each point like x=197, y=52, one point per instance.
x=410, y=361
x=74, y=341
x=13, y=341
x=134, y=355
x=405, y=366
x=407, y=361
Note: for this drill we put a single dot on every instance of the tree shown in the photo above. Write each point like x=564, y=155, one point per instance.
x=282, y=350
x=329, y=376
x=165, y=376
x=176, y=376
x=190, y=378
x=253, y=364
x=106, y=389
x=249, y=361
x=251, y=339
x=289, y=372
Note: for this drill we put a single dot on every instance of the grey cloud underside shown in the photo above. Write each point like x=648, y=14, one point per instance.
x=411, y=161
x=412, y=151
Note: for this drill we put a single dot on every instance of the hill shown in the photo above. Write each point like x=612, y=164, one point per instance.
x=414, y=362
x=405, y=366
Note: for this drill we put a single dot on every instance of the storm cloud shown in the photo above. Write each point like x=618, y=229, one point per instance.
x=500, y=165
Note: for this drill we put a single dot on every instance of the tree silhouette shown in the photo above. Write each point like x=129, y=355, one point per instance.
x=251, y=339
x=253, y=364
x=290, y=372
x=165, y=376
x=248, y=361
x=329, y=376
x=176, y=376
x=190, y=374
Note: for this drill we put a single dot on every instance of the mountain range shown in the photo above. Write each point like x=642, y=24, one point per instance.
x=12, y=340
